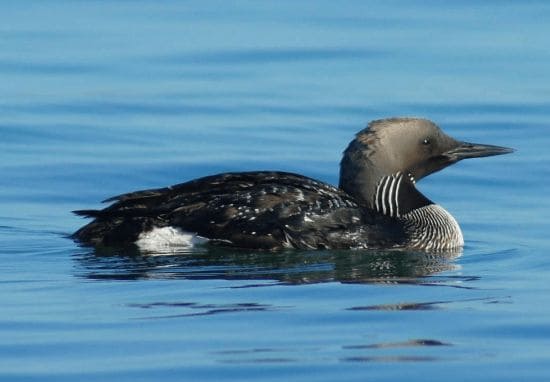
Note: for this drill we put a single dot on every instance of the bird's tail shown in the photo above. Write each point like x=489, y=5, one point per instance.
x=88, y=213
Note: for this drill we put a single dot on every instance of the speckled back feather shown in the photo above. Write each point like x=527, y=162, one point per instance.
x=267, y=210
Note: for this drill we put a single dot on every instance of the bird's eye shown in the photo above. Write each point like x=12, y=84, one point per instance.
x=426, y=141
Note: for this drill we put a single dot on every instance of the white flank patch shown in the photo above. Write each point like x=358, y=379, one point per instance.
x=166, y=238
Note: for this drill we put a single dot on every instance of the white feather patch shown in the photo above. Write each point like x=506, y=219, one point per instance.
x=167, y=237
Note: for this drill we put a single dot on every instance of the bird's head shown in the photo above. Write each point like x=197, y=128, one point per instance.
x=414, y=147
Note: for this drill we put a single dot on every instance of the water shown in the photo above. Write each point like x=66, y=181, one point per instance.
x=100, y=98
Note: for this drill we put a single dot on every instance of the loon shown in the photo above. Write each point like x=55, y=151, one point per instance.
x=376, y=204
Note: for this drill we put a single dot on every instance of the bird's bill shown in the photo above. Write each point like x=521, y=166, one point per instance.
x=466, y=150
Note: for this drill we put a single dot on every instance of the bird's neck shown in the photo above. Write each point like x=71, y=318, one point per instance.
x=396, y=195
x=393, y=195
x=427, y=226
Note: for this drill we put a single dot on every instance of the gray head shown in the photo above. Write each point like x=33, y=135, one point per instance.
x=413, y=147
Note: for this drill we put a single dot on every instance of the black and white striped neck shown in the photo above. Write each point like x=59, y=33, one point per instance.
x=396, y=195
x=428, y=226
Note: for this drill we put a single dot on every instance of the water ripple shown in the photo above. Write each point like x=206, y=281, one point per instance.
x=430, y=305
x=405, y=344
x=48, y=68
x=198, y=309
x=273, y=55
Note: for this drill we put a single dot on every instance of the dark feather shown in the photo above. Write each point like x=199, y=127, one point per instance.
x=252, y=209
x=87, y=213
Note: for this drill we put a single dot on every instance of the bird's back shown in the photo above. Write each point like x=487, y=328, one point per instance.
x=268, y=210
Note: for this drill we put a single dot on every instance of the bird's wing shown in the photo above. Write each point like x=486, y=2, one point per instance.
x=250, y=209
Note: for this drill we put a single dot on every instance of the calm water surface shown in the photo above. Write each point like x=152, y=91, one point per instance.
x=100, y=98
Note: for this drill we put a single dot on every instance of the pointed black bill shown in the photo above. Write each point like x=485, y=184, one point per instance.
x=473, y=150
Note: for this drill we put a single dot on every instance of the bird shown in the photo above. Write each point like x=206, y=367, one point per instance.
x=375, y=206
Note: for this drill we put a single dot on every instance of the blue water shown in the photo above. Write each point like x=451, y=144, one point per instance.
x=99, y=98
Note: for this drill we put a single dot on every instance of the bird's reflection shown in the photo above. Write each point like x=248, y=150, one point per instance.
x=292, y=267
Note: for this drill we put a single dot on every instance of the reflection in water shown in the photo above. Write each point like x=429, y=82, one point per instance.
x=406, y=344
x=289, y=267
x=409, y=358
x=353, y=353
x=265, y=269
x=431, y=305
x=196, y=309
